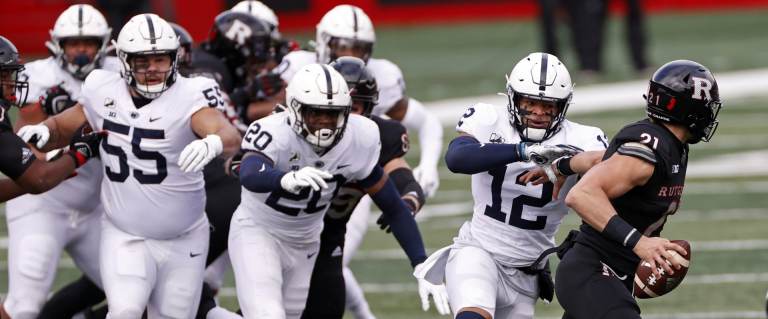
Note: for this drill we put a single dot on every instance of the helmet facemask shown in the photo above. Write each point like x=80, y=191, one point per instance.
x=339, y=47
x=306, y=120
x=521, y=121
x=13, y=90
x=136, y=71
x=82, y=63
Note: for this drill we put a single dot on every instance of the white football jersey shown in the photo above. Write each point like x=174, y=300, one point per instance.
x=388, y=76
x=299, y=218
x=143, y=191
x=512, y=221
x=79, y=193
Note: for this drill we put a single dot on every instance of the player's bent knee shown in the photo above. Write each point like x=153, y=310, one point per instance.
x=473, y=313
x=179, y=299
x=36, y=256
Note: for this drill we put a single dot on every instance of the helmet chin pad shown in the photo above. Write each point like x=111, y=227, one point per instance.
x=534, y=134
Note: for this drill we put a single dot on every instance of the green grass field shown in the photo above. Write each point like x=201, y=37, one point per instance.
x=725, y=218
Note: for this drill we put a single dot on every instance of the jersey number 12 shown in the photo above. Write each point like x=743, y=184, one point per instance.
x=516, y=215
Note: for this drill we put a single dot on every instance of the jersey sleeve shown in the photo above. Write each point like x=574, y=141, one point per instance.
x=93, y=82
x=590, y=138
x=39, y=79
x=476, y=119
x=368, y=142
x=391, y=85
x=15, y=155
x=204, y=93
x=644, y=141
x=394, y=140
x=260, y=137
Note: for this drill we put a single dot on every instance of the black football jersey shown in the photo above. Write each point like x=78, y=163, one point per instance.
x=644, y=207
x=394, y=144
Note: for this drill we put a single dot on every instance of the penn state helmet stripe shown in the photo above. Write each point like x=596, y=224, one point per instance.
x=80, y=17
x=328, y=82
x=151, y=28
x=543, y=73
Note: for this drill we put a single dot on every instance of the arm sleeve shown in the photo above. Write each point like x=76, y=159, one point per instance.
x=430, y=132
x=467, y=155
x=407, y=184
x=401, y=222
x=15, y=155
x=258, y=175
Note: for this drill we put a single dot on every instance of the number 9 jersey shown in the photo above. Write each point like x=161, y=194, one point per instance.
x=298, y=218
x=515, y=222
x=143, y=191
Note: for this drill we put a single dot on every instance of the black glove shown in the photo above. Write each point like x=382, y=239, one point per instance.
x=85, y=145
x=55, y=100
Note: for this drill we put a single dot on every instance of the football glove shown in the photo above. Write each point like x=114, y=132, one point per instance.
x=55, y=100
x=428, y=178
x=85, y=145
x=307, y=176
x=544, y=154
x=37, y=134
x=438, y=292
x=198, y=153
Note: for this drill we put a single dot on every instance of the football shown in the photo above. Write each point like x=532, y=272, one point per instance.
x=647, y=285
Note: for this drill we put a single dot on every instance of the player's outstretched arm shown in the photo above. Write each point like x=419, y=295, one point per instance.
x=219, y=137
x=409, y=189
x=384, y=194
x=39, y=176
x=56, y=131
x=416, y=117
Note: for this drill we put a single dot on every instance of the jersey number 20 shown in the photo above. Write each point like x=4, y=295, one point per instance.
x=516, y=215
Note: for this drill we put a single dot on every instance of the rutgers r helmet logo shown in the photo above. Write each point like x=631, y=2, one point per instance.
x=239, y=32
x=701, y=85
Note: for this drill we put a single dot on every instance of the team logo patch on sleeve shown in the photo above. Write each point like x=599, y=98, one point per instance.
x=26, y=155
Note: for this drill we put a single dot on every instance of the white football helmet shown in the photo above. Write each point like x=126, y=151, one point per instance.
x=539, y=76
x=261, y=12
x=147, y=34
x=344, y=23
x=318, y=88
x=79, y=21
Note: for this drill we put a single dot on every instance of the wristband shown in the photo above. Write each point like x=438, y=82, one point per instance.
x=621, y=232
x=563, y=166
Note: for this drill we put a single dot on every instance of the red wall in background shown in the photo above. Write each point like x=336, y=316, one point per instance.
x=27, y=22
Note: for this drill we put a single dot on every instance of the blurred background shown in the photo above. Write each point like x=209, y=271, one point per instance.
x=454, y=53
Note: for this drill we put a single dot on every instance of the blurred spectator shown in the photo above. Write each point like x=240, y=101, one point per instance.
x=587, y=22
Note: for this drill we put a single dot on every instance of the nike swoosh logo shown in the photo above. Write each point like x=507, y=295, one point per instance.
x=263, y=168
x=193, y=255
x=154, y=119
x=310, y=255
x=482, y=145
x=342, y=166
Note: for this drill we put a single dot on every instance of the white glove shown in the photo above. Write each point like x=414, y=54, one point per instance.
x=307, y=176
x=545, y=154
x=428, y=178
x=438, y=292
x=199, y=153
x=38, y=134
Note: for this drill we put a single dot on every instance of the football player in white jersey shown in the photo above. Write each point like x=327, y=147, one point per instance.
x=296, y=161
x=155, y=233
x=66, y=217
x=346, y=30
x=493, y=269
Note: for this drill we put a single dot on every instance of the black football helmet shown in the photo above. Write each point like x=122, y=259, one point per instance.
x=239, y=38
x=361, y=82
x=685, y=92
x=13, y=85
x=185, y=44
